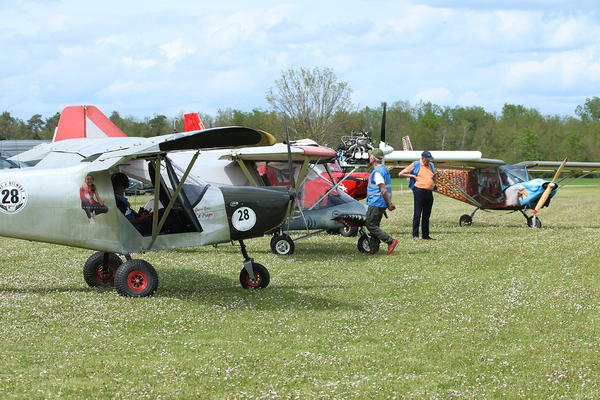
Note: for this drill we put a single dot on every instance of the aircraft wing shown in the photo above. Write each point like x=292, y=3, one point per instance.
x=438, y=156
x=465, y=160
x=105, y=152
x=279, y=153
x=553, y=166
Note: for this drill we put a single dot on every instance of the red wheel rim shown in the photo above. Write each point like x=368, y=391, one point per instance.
x=257, y=279
x=137, y=281
x=104, y=278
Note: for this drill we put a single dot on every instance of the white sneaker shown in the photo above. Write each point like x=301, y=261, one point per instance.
x=94, y=214
x=92, y=222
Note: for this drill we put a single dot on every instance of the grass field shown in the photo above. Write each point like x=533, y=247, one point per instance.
x=495, y=310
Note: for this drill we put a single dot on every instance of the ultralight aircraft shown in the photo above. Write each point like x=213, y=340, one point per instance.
x=44, y=203
x=319, y=205
x=490, y=184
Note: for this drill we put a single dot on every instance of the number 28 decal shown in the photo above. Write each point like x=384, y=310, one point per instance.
x=244, y=219
x=13, y=197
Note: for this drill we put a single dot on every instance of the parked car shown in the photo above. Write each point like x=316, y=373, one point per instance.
x=5, y=163
x=137, y=187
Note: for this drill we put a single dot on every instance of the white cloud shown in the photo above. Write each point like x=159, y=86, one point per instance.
x=176, y=49
x=565, y=72
x=151, y=56
x=439, y=96
x=143, y=64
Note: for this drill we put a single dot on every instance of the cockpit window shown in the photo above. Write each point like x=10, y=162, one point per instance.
x=513, y=174
x=193, y=187
x=315, y=191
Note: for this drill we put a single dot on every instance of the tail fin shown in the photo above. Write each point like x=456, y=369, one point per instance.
x=84, y=122
x=192, y=122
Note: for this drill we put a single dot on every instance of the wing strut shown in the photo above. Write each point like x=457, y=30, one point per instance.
x=157, y=225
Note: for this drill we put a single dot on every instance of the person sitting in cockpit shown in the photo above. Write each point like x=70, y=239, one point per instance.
x=142, y=220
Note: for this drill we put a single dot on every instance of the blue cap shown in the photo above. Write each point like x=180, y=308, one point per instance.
x=426, y=154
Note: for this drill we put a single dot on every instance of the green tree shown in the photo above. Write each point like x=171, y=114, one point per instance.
x=527, y=146
x=9, y=126
x=574, y=146
x=50, y=126
x=159, y=125
x=590, y=111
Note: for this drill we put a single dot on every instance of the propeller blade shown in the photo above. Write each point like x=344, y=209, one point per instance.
x=546, y=194
x=289, y=150
x=292, y=191
x=382, y=138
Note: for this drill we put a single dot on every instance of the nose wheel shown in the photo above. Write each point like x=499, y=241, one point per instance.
x=282, y=244
x=253, y=275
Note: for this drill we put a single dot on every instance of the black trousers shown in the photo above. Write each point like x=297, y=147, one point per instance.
x=423, y=205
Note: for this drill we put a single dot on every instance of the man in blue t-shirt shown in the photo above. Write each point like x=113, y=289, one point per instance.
x=142, y=221
x=379, y=198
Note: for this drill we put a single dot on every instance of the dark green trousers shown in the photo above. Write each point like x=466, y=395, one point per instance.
x=374, y=216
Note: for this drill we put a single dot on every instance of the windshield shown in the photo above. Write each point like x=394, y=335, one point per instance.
x=193, y=187
x=513, y=174
x=311, y=194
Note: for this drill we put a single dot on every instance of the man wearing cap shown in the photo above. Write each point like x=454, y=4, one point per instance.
x=422, y=182
x=379, y=197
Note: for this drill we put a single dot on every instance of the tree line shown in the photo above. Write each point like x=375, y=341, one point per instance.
x=312, y=104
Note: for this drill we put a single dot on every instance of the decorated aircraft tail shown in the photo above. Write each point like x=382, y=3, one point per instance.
x=85, y=122
x=192, y=122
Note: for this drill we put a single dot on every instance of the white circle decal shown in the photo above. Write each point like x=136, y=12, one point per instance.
x=13, y=197
x=244, y=219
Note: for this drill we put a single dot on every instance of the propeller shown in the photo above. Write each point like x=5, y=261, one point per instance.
x=289, y=151
x=293, y=191
x=382, y=138
x=549, y=188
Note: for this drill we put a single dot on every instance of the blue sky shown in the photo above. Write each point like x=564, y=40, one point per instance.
x=143, y=58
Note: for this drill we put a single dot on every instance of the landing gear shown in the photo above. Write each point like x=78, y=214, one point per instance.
x=465, y=220
x=282, y=244
x=253, y=275
x=363, y=244
x=136, y=278
x=349, y=231
x=261, y=277
x=534, y=222
x=99, y=270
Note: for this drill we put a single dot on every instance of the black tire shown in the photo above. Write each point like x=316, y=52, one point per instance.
x=363, y=244
x=349, y=231
x=537, y=224
x=282, y=245
x=92, y=270
x=465, y=220
x=261, y=277
x=136, y=278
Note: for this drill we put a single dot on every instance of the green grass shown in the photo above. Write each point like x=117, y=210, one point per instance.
x=495, y=310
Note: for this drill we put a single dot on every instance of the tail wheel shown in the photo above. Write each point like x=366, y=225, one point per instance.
x=282, y=245
x=465, y=220
x=363, y=244
x=349, y=231
x=261, y=277
x=95, y=275
x=136, y=278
